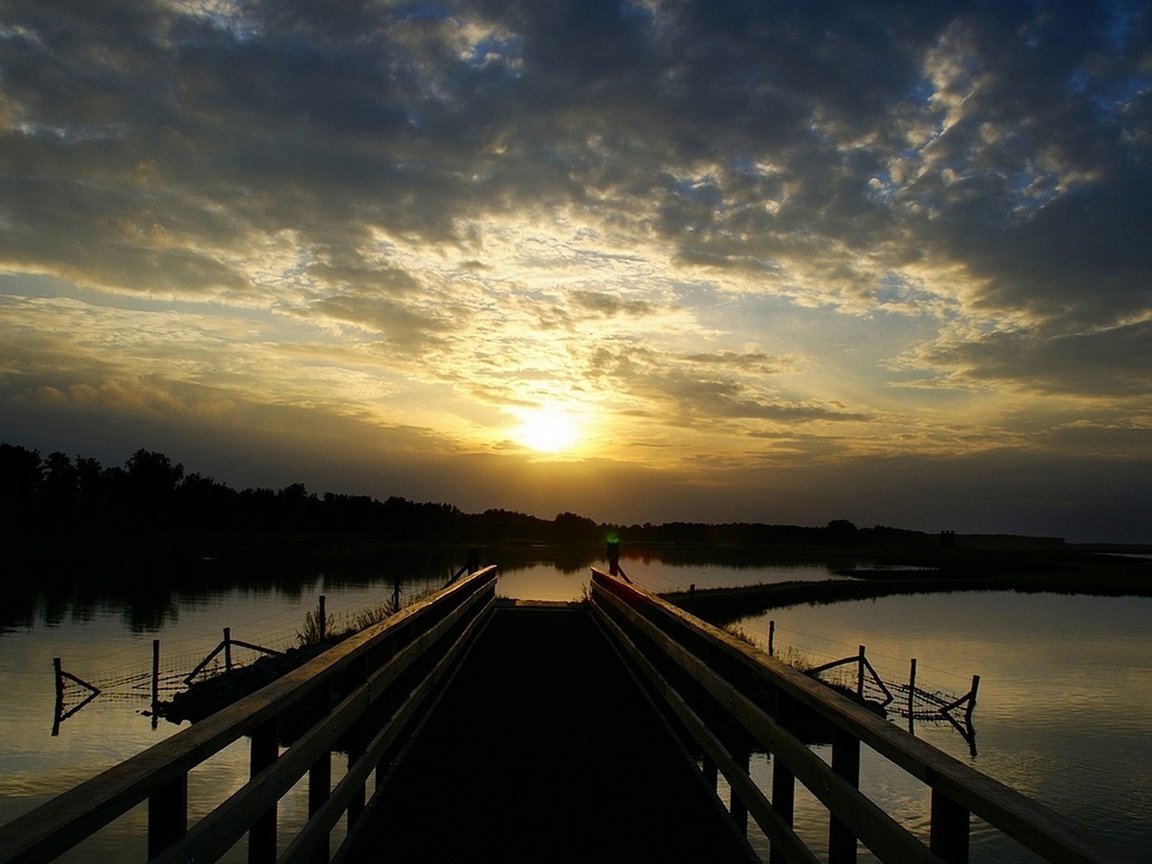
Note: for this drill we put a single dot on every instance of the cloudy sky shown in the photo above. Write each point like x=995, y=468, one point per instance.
x=644, y=260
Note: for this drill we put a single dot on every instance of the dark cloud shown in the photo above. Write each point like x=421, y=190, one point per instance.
x=279, y=117
x=609, y=305
x=754, y=361
x=693, y=390
x=402, y=324
x=1105, y=364
x=362, y=275
x=364, y=165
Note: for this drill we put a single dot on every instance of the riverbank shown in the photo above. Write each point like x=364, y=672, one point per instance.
x=1087, y=573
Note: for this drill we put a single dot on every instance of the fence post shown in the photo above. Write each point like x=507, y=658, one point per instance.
x=972, y=699
x=911, y=694
x=323, y=623
x=59, y=697
x=228, y=649
x=155, y=681
x=860, y=675
x=771, y=638
x=59, y=683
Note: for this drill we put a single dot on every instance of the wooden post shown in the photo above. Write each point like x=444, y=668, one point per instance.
x=59, y=696
x=322, y=624
x=949, y=832
x=59, y=681
x=911, y=695
x=262, y=835
x=396, y=595
x=846, y=763
x=783, y=800
x=972, y=699
x=614, y=556
x=227, y=649
x=167, y=815
x=771, y=638
x=691, y=590
x=320, y=775
x=473, y=560
x=860, y=675
x=736, y=805
x=357, y=737
x=155, y=681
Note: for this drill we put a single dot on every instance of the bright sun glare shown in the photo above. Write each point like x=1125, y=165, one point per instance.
x=548, y=430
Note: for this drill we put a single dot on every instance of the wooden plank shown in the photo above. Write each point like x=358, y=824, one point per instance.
x=878, y=830
x=58, y=825
x=1027, y=821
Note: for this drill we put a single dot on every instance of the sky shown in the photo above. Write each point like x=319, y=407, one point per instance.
x=714, y=261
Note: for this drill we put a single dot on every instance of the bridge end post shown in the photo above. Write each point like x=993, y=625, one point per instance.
x=167, y=815
x=265, y=750
x=950, y=829
x=846, y=763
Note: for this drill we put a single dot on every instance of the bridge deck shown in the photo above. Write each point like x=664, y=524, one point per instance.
x=544, y=749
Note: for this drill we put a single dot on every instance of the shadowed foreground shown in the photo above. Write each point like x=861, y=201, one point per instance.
x=543, y=749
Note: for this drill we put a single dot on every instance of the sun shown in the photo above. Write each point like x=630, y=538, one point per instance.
x=548, y=430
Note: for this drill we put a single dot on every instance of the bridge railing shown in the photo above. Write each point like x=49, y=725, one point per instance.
x=730, y=699
x=360, y=696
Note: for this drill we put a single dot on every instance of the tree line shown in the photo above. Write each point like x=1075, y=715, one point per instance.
x=54, y=495
x=151, y=492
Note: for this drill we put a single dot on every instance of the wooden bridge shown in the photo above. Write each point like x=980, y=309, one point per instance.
x=498, y=730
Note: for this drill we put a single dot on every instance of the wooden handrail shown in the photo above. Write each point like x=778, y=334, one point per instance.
x=957, y=789
x=160, y=772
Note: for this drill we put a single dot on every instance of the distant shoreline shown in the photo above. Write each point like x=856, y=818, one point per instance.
x=725, y=605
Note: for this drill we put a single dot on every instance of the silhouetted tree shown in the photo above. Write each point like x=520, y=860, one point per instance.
x=21, y=473
x=59, y=491
x=840, y=532
x=151, y=493
x=207, y=505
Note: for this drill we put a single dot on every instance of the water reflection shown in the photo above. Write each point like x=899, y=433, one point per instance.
x=1064, y=710
x=1065, y=700
x=151, y=593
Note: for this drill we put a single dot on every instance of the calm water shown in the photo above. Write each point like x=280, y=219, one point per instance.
x=1064, y=714
x=1064, y=710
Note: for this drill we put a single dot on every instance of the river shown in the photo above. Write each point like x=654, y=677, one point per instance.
x=1064, y=710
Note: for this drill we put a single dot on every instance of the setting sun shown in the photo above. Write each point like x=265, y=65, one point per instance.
x=548, y=430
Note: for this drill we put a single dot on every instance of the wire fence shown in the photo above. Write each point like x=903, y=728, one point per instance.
x=131, y=676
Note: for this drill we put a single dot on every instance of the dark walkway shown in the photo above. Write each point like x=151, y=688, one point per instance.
x=544, y=750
